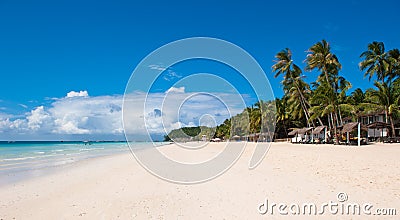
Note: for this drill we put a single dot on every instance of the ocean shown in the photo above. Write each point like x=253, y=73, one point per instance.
x=24, y=159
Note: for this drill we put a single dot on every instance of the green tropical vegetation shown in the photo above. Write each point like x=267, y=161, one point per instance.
x=189, y=133
x=325, y=101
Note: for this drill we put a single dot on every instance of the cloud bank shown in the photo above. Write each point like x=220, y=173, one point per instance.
x=78, y=115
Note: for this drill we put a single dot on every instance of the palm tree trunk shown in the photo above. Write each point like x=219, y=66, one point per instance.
x=308, y=114
x=329, y=122
x=337, y=119
x=340, y=117
x=335, y=122
x=303, y=105
x=326, y=76
x=318, y=118
x=386, y=115
x=333, y=126
x=325, y=70
x=335, y=132
x=305, y=114
x=392, y=125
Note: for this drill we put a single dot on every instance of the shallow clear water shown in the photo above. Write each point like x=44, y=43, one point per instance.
x=21, y=159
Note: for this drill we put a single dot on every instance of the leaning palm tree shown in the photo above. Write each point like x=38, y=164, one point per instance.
x=298, y=95
x=375, y=61
x=321, y=58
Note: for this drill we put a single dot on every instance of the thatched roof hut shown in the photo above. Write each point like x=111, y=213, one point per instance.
x=319, y=129
x=300, y=131
x=349, y=127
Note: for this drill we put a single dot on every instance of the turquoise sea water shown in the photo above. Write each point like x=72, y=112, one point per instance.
x=22, y=159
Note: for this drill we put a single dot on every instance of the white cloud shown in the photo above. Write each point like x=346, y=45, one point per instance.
x=86, y=115
x=38, y=118
x=77, y=94
x=23, y=106
x=7, y=125
x=157, y=67
x=168, y=73
x=176, y=90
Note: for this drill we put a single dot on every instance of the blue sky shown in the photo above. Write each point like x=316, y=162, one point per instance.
x=49, y=48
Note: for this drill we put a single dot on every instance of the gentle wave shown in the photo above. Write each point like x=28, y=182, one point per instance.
x=18, y=158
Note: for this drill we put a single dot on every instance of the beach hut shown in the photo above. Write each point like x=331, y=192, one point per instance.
x=294, y=133
x=349, y=127
x=306, y=133
x=236, y=137
x=301, y=135
x=320, y=134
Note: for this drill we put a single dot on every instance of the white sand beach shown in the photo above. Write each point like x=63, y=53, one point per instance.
x=117, y=187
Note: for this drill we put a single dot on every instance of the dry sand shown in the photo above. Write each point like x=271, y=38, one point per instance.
x=117, y=187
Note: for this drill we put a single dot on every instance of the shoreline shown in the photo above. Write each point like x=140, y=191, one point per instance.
x=21, y=176
x=115, y=186
x=16, y=168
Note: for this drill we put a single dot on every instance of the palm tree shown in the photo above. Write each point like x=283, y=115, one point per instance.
x=255, y=118
x=375, y=61
x=292, y=82
x=341, y=86
x=386, y=98
x=268, y=118
x=321, y=58
x=324, y=101
x=386, y=66
x=356, y=98
x=321, y=103
x=282, y=116
x=298, y=95
x=393, y=59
